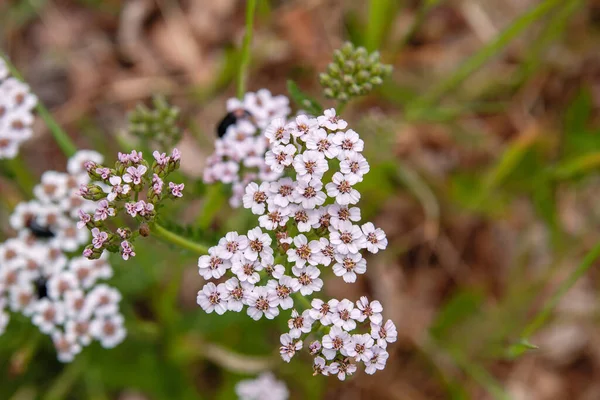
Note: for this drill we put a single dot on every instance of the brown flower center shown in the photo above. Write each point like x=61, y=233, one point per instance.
x=346, y=237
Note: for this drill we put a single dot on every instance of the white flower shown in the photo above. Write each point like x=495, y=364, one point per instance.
x=280, y=157
x=371, y=310
x=349, y=143
x=375, y=238
x=99, y=238
x=80, y=330
x=261, y=301
x=335, y=341
x=300, y=323
x=277, y=131
x=343, y=213
x=341, y=189
x=320, y=217
x=212, y=298
x=256, y=197
x=233, y=243
x=289, y=347
x=359, y=347
x=47, y=315
x=74, y=301
x=327, y=254
x=265, y=387
x=274, y=218
x=246, y=270
x=342, y=369
x=309, y=194
x=319, y=140
x=343, y=314
x=258, y=244
x=212, y=265
x=282, y=191
x=320, y=311
x=304, y=252
x=377, y=361
x=61, y=282
x=135, y=174
x=284, y=289
x=66, y=346
x=104, y=210
x=355, y=165
x=236, y=294
x=22, y=298
x=309, y=279
x=77, y=162
x=275, y=271
x=320, y=367
x=109, y=330
x=304, y=218
x=52, y=187
x=331, y=121
x=348, y=265
x=303, y=125
x=346, y=238
x=384, y=334
x=310, y=165
x=104, y=300
x=117, y=188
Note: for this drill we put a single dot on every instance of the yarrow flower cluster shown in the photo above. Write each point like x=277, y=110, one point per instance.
x=133, y=187
x=334, y=346
x=353, y=72
x=62, y=296
x=308, y=220
x=16, y=117
x=239, y=154
x=264, y=387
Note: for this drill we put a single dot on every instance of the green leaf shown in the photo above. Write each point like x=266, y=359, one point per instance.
x=303, y=101
x=521, y=347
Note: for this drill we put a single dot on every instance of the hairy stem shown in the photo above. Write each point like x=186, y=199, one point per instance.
x=170, y=237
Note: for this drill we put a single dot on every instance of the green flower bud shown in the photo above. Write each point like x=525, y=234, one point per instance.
x=353, y=72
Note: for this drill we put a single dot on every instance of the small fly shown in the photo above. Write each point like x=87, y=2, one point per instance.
x=41, y=287
x=231, y=118
x=39, y=231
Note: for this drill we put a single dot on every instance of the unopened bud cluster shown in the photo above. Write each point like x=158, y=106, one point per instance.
x=134, y=188
x=157, y=125
x=16, y=117
x=353, y=72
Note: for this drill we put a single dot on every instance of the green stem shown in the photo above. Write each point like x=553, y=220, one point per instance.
x=180, y=241
x=62, y=139
x=301, y=299
x=476, y=61
x=245, y=55
x=563, y=288
x=65, y=381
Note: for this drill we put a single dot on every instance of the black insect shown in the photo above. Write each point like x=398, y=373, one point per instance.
x=39, y=231
x=41, y=287
x=230, y=119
